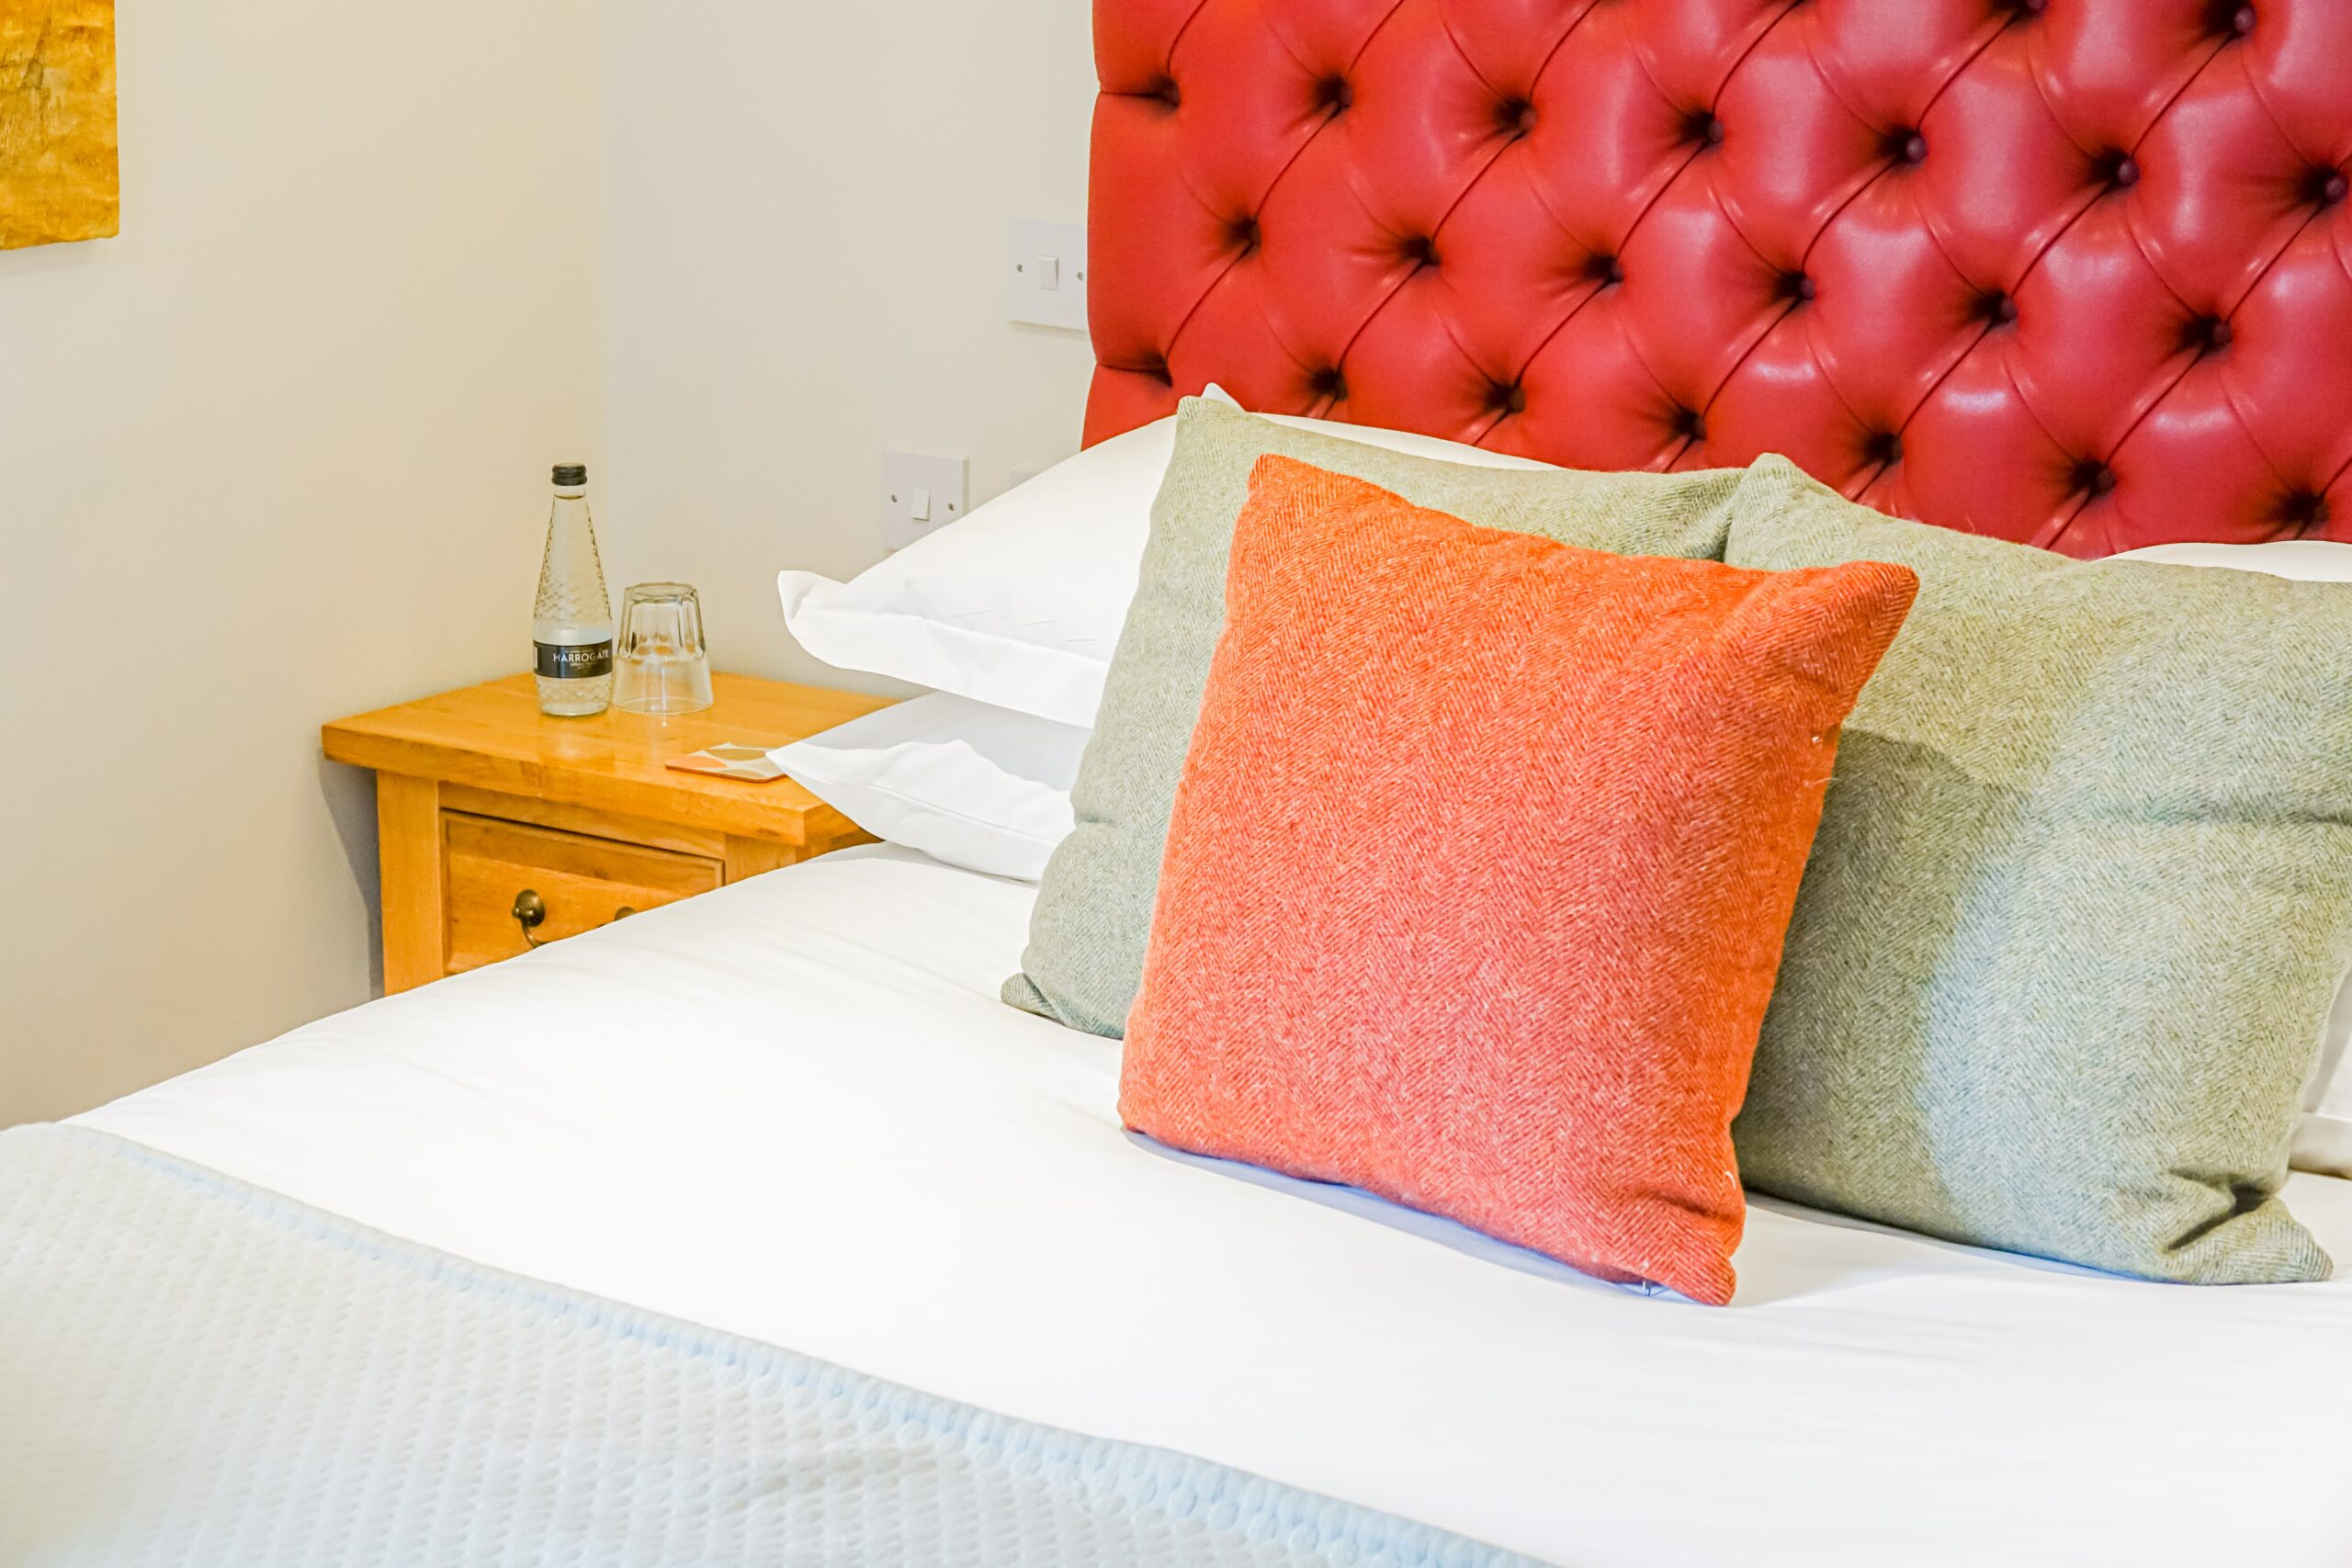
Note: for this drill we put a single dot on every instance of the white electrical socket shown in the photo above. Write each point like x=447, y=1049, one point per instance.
x=920, y=493
x=1045, y=274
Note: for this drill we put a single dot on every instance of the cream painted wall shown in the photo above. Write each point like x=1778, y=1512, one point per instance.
x=276, y=454
x=805, y=208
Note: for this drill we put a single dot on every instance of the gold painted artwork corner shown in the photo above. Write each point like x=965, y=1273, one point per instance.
x=58, y=178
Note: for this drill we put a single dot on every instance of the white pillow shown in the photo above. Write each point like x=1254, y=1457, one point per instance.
x=2324, y=1141
x=2307, y=561
x=1411, y=443
x=964, y=782
x=1020, y=604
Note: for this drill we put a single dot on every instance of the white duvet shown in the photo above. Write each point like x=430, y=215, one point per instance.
x=795, y=1110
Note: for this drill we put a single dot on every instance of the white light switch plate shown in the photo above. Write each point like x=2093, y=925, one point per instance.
x=913, y=484
x=1044, y=272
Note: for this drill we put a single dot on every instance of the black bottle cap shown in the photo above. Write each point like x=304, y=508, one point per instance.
x=568, y=474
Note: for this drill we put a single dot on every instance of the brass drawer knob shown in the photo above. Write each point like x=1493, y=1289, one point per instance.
x=530, y=911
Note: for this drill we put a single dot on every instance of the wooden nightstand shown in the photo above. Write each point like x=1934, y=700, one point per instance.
x=481, y=799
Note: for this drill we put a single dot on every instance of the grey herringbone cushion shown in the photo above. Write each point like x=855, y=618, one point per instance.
x=1093, y=912
x=2079, y=903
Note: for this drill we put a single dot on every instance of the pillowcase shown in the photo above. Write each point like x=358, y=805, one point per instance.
x=1094, y=912
x=1479, y=868
x=1016, y=605
x=2323, y=1140
x=2078, y=908
x=1019, y=603
x=2304, y=560
x=1411, y=443
x=964, y=782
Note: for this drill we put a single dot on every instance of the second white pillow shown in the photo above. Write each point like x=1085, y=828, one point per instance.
x=964, y=782
x=1020, y=604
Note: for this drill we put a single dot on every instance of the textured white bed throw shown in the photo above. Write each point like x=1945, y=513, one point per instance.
x=308, y=1393
x=793, y=1110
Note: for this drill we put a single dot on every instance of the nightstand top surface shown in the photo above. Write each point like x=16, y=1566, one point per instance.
x=493, y=737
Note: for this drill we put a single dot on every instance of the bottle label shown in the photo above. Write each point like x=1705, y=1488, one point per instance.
x=574, y=661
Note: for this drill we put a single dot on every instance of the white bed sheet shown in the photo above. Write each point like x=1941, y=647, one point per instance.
x=795, y=1110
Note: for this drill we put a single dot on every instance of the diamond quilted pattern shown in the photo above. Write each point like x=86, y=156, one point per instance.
x=2071, y=272
x=306, y=1391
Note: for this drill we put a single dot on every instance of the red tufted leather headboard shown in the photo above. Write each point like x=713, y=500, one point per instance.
x=2073, y=272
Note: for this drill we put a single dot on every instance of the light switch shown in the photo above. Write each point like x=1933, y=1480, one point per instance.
x=920, y=493
x=1045, y=274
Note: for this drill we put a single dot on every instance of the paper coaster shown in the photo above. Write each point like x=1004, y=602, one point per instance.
x=732, y=759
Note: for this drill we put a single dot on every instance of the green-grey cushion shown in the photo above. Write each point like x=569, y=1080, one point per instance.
x=1094, y=905
x=2080, y=901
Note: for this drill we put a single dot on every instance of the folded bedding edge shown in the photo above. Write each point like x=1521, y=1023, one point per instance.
x=86, y=1216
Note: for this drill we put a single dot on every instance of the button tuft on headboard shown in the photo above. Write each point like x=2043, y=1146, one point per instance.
x=2093, y=477
x=2303, y=511
x=2207, y=333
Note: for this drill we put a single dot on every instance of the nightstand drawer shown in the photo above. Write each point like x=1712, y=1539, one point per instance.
x=582, y=882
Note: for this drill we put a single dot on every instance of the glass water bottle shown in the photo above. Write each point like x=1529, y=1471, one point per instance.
x=572, y=627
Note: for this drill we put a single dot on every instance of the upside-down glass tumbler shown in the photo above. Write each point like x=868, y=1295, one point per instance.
x=659, y=663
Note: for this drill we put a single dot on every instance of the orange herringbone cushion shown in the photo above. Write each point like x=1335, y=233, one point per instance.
x=1478, y=874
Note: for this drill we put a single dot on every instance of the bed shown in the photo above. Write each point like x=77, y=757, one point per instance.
x=2075, y=275
x=649, y=1112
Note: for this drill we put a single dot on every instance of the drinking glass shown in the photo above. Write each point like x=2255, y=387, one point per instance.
x=660, y=664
